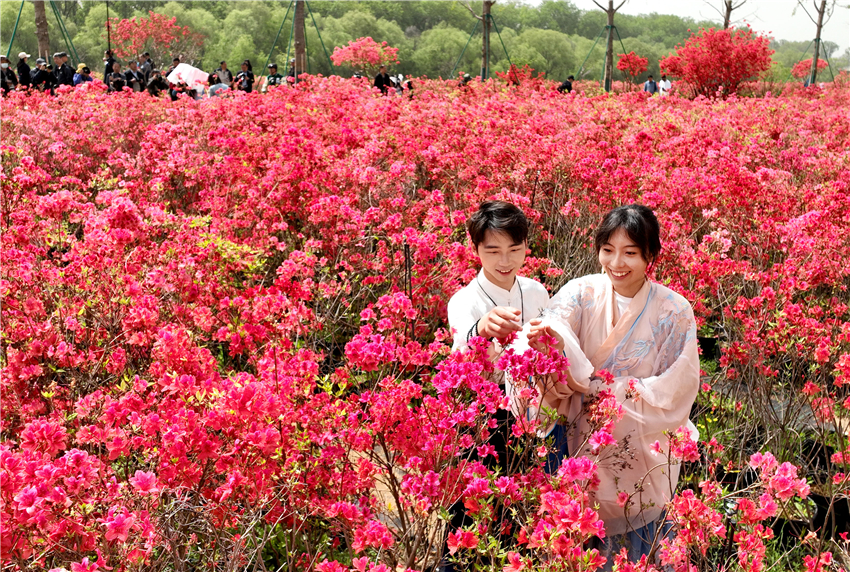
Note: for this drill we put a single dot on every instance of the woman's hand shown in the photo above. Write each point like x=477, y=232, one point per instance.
x=536, y=333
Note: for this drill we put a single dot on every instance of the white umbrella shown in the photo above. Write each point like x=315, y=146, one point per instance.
x=191, y=76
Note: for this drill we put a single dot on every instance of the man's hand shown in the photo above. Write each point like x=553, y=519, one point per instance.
x=500, y=322
x=536, y=333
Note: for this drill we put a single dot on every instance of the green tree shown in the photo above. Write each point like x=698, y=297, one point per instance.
x=556, y=49
x=439, y=48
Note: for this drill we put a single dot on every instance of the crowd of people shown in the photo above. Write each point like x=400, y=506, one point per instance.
x=143, y=75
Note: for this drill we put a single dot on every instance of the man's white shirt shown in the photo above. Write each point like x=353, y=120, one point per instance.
x=480, y=296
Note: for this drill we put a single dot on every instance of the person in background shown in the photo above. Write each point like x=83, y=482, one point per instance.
x=67, y=70
x=567, y=85
x=24, y=72
x=407, y=84
x=290, y=75
x=57, y=69
x=383, y=81
x=217, y=87
x=116, y=80
x=464, y=81
x=245, y=78
x=224, y=75
x=43, y=79
x=274, y=78
x=109, y=62
x=134, y=78
x=650, y=86
x=664, y=86
x=145, y=67
x=9, y=79
x=156, y=84
x=174, y=63
x=83, y=74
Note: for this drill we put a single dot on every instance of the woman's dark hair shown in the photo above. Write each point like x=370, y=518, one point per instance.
x=640, y=225
x=248, y=63
x=497, y=216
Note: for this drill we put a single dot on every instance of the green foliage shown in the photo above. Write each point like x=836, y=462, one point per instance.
x=554, y=37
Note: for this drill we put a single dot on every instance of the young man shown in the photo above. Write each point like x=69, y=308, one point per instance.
x=274, y=78
x=650, y=86
x=664, y=86
x=497, y=302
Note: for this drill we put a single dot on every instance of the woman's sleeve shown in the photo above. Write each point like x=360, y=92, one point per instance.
x=564, y=315
x=663, y=400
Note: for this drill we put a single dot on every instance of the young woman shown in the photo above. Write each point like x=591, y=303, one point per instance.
x=644, y=334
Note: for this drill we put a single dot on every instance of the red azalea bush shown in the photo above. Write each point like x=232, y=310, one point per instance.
x=803, y=68
x=715, y=62
x=224, y=341
x=365, y=54
x=157, y=34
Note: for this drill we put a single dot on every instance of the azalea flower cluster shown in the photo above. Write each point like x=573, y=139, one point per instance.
x=226, y=342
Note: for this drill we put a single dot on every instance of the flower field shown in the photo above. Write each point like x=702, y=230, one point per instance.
x=224, y=336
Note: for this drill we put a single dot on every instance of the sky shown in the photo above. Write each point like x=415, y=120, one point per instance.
x=774, y=16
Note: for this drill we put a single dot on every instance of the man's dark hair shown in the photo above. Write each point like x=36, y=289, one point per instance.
x=497, y=216
x=650, y=76
x=640, y=225
x=175, y=60
x=571, y=78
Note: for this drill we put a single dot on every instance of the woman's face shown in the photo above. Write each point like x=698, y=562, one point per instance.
x=244, y=67
x=623, y=262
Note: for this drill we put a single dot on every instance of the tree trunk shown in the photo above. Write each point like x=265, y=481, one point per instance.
x=727, y=16
x=813, y=74
x=485, y=47
x=609, y=50
x=300, y=40
x=41, y=30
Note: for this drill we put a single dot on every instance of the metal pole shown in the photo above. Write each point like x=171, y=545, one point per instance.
x=599, y=35
x=108, y=30
x=330, y=63
x=271, y=52
x=463, y=51
x=15, y=31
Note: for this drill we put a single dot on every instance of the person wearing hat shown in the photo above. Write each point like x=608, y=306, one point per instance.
x=83, y=74
x=64, y=73
x=24, y=71
x=274, y=78
x=224, y=75
x=8, y=79
x=43, y=78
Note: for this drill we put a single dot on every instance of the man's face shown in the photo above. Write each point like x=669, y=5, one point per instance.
x=57, y=61
x=383, y=69
x=133, y=66
x=224, y=65
x=501, y=258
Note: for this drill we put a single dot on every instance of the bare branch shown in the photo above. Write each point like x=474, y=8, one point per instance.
x=471, y=11
x=800, y=5
x=713, y=7
x=620, y=6
x=600, y=6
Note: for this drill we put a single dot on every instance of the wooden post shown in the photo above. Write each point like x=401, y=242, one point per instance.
x=300, y=41
x=41, y=30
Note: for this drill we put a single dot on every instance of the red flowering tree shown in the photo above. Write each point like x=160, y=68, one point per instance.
x=715, y=62
x=365, y=54
x=632, y=64
x=803, y=68
x=157, y=34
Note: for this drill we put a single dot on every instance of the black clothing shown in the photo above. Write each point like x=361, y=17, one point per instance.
x=43, y=80
x=383, y=82
x=566, y=86
x=134, y=79
x=110, y=61
x=116, y=81
x=8, y=81
x=65, y=75
x=24, y=74
x=157, y=85
x=245, y=81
